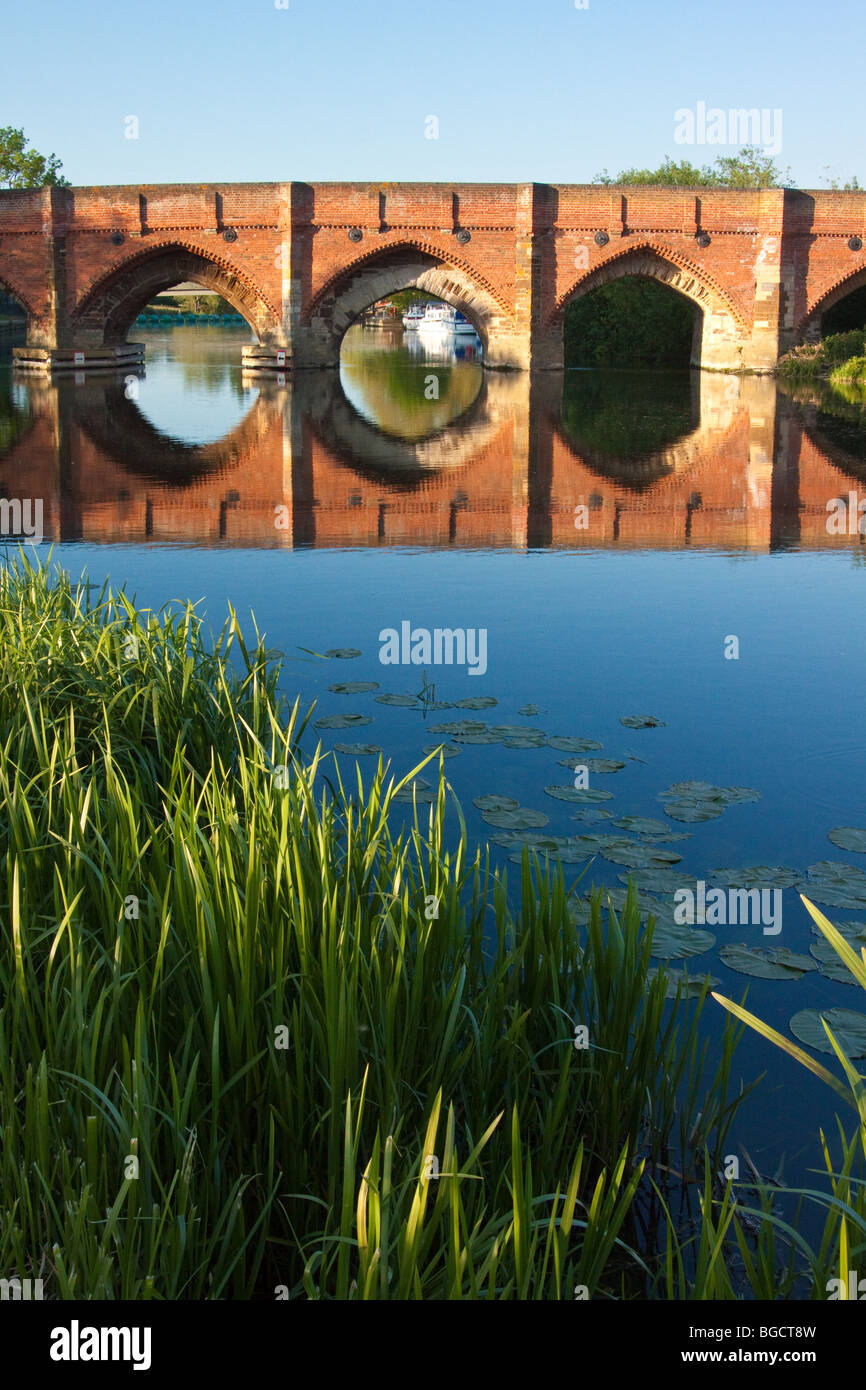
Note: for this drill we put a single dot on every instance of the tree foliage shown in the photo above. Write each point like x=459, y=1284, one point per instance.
x=631, y=322
x=751, y=168
x=21, y=167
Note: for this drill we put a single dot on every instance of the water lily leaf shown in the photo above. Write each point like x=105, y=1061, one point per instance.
x=448, y=750
x=643, y=825
x=829, y=964
x=847, y=1027
x=837, y=885
x=531, y=711
x=674, y=942
x=578, y=793
x=492, y=802
x=343, y=721
x=853, y=932
x=758, y=876
x=691, y=812
x=358, y=750
x=642, y=721
x=487, y=736
x=679, y=981
x=459, y=726
x=520, y=819
x=564, y=744
x=527, y=740
x=638, y=855
x=436, y=704
x=418, y=790
x=604, y=765
x=401, y=701
x=535, y=839
x=591, y=813
x=776, y=963
x=476, y=702
x=343, y=653
x=848, y=837
x=353, y=687
x=662, y=881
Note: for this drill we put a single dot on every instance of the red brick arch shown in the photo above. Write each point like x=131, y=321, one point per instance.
x=111, y=304
x=643, y=259
x=9, y=286
x=380, y=256
x=831, y=294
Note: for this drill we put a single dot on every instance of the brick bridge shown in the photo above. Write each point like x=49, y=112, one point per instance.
x=300, y=261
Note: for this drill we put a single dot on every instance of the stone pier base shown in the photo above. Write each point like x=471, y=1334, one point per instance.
x=262, y=359
x=49, y=361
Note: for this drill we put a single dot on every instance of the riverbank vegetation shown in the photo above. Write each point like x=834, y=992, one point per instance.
x=838, y=359
x=260, y=1039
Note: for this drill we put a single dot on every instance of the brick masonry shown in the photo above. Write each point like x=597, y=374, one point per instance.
x=301, y=260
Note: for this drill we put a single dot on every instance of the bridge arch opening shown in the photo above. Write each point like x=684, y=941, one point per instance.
x=841, y=309
x=638, y=281
x=109, y=309
x=632, y=322
x=393, y=271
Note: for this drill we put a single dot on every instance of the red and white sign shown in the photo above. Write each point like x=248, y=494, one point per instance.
x=281, y=358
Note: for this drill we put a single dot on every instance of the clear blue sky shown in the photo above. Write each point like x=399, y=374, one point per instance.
x=341, y=89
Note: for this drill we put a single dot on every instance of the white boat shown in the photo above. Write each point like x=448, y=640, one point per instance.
x=462, y=324
x=413, y=316
x=438, y=320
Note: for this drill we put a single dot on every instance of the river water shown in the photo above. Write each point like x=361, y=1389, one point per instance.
x=631, y=544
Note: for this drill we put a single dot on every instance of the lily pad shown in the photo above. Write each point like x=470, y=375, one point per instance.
x=591, y=813
x=358, y=750
x=604, y=766
x=662, y=881
x=853, y=932
x=757, y=876
x=847, y=1026
x=419, y=791
x=829, y=964
x=674, y=942
x=459, y=726
x=642, y=825
x=776, y=963
x=343, y=653
x=477, y=702
x=642, y=721
x=637, y=855
x=448, y=750
x=691, y=812
x=848, y=837
x=521, y=818
x=564, y=744
x=531, y=711
x=526, y=740
x=836, y=885
x=578, y=793
x=492, y=802
x=680, y=982
x=353, y=687
x=482, y=736
x=343, y=721
x=401, y=701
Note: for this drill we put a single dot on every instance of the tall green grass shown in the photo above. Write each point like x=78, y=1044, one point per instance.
x=259, y=1039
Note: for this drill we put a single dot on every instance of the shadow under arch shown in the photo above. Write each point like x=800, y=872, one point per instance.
x=833, y=436
x=114, y=423
x=711, y=342
x=360, y=445
x=809, y=327
x=388, y=270
x=110, y=307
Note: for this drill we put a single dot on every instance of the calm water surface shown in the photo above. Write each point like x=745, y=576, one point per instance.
x=610, y=531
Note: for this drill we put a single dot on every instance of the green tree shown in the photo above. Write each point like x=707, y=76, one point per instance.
x=748, y=169
x=21, y=167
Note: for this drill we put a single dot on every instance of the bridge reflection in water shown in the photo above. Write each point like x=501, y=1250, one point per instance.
x=530, y=462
